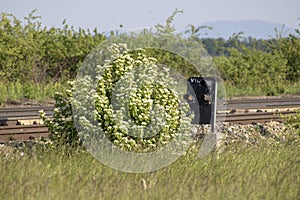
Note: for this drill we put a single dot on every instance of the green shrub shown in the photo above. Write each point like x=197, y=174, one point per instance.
x=31, y=52
x=61, y=125
x=133, y=98
x=18, y=91
x=254, y=71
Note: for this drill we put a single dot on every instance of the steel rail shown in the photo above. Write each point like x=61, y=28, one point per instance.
x=22, y=123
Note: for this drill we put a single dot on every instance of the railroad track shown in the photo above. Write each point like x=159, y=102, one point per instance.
x=258, y=117
x=262, y=103
x=23, y=132
x=24, y=123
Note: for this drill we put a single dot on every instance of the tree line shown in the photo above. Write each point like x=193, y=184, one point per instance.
x=31, y=52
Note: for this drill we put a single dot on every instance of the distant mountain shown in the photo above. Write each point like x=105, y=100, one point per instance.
x=254, y=28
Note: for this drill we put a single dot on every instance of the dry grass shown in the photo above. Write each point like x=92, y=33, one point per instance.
x=241, y=172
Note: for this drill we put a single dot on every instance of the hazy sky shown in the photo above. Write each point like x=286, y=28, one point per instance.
x=108, y=15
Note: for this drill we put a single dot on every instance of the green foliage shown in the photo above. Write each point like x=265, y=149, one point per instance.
x=182, y=53
x=173, y=61
x=168, y=28
x=61, y=124
x=290, y=49
x=30, y=52
x=215, y=47
x=136, y=105
x=254, y=70
x=257, y=67
x=260, y=172
x=136, y=92
x=222, y=47
x=15, y=91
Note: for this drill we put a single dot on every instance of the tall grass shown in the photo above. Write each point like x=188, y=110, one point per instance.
x=240, y=172
x=14, y=91
x=280, y=89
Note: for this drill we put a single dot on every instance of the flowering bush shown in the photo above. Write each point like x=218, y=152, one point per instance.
x=61, y=125
x=130, y=99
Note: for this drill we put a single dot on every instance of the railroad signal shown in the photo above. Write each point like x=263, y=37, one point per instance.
x=201, y=96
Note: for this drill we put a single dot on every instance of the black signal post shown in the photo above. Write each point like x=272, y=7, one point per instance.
x=202, y=98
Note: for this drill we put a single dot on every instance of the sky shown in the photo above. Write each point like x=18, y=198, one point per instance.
x=133, y=14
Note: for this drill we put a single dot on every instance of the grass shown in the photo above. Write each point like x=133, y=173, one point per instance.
x=15, y=91
x=262, y=171
x=240, y=172
x=290, y=88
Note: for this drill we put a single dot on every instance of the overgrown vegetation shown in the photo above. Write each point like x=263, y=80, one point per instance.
x=293, y=121
x=254, y=70
x=30, y=52
x=34, y=54
x=35, y=60
x=14, y=92
x=240, y=172
x=129, y=89
x=61, y=124
x=34, y=57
